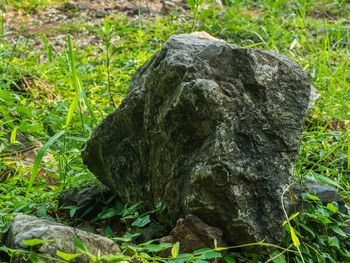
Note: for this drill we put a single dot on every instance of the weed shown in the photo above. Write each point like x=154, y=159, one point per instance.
x=314, y=33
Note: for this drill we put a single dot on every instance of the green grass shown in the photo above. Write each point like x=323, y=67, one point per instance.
x=33, y=4
x=73, y=85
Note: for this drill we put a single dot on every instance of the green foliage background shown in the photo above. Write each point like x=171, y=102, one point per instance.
x=75, y=88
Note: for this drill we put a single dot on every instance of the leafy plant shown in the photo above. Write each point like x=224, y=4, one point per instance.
x=108, y=35
x=314, y=33
x=194, y=5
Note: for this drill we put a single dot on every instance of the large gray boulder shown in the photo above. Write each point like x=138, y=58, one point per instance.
x=210, y=129
x=28, y=227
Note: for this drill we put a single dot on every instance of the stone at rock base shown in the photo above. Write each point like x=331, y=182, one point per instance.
x=314, y=96
x=88, y=201
x=28, y=227
x=325, y=193
x=193, y=234
x=210, y=129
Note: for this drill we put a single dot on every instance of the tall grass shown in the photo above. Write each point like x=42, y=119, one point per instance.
x=87, y=84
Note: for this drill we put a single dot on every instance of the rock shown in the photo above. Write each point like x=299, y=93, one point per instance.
x=27, y=227
x=325, y=193
x=192, y=234
x=88, y=201
x=70, y=7
x=314, y=96
x=209, y=129
x=168, y=6
x=151, y=232
x=100, y=12
x=83, y=6
x=217, y=4
x=127, y=8
x=136, y=10
x=118, y=7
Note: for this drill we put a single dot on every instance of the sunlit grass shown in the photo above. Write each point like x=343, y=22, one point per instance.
x=314, y=33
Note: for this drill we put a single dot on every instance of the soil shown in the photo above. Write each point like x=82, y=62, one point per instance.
x=57, y=21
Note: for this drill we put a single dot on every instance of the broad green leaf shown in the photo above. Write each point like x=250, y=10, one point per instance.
x=80, y=246
x=34, y=242
x=144, y=255
x=213, y=254
x=34, y=258
x=142, y=221
x=157, y=247
x=322, y=218
x=332, y=207
x=313, y=197
x=295, y=239
x=333, y=241
x=108, y=213
x=72, y=211
x=108, y=231
x=340, y=232
x=175, y=250
x=4, y=249
x=280, y=258
x=307, y=229
x=67, y=256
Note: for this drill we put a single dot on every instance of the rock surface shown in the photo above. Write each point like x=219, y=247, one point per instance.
x=210, y=129
x=88, y=201
x=192, y=234
x=325, y=193
x=27, y=227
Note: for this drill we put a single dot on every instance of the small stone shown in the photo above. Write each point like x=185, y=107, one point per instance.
x=28, y=227
x=314, y=96
x=70, y=7
x=325, y=193
x=142, y=10
x=118, y=7
x=83, y=6
x=85, y=199
x=167, y=6
x=193, y=234
x=127, y=8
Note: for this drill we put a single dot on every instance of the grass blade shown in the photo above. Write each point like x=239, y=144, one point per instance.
x=39, y=158
x=72, y=108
